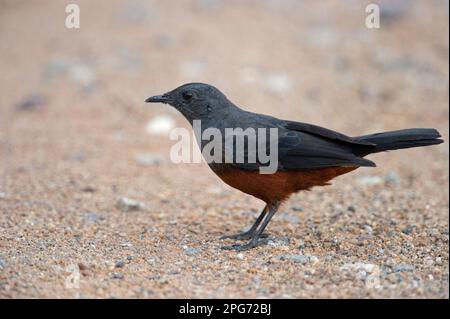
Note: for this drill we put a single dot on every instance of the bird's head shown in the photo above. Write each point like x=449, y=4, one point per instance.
x=193, y=100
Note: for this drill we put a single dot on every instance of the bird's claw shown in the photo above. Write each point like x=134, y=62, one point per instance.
x=242, y=236
x=242, y=247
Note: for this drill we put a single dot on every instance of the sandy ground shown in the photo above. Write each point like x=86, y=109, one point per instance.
x=74, y=142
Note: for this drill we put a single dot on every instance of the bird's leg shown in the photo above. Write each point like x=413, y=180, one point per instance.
x=249, y=233
x=254, y=241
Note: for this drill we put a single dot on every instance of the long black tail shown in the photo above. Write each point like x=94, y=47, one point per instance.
x=393, y=140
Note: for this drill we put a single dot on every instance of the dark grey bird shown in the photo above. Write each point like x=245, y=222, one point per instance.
x=307, y=155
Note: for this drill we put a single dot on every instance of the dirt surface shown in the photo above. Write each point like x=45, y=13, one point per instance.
x=75, y=140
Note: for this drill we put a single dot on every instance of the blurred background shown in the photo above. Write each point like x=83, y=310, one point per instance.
x=78, y=142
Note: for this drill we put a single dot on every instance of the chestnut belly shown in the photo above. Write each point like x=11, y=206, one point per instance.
x=279, y=186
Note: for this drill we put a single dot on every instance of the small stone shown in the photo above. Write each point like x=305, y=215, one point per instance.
x=93, y=217
x=82, y=266
x=408, y=230
x=278, y=83
x=429, y=261
x=301, y=259
x=191, y=251
x=160, y=125
x=297, y=208
x=31, y=101
x=302, y=244
x=368, y=228
x=117, y=275
x=83, y=75
x=240, y=256
x=126, y=204
x=278, y=241
x=88, y=189
x=120, y=264
x=351, y=208
x=370, y=180
x=392, y=178
x=362, y=270
x=404, y=268
x=148, y=159
x=2, y=263
x=2, y=195
x=152, y=261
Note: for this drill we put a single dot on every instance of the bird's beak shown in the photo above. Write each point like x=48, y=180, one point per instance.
x=158, y=99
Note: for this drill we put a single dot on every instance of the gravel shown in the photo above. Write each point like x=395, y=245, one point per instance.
x=384, y=237
x=191, y=251
x=126, y=204
x=404, y=268
x=301, y=259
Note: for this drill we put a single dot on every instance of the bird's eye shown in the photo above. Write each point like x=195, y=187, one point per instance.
x=187, y=95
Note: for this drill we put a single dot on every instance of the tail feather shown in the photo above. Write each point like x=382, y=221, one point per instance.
x=393, y=140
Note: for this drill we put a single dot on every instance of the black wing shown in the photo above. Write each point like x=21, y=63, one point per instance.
x=306, y=146
x=323, y=132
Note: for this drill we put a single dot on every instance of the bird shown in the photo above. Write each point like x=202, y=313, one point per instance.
x=307, y=155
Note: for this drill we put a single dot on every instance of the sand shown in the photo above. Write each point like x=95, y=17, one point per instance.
x=75, y=142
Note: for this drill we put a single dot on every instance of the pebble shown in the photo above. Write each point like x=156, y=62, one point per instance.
x=404, y=268
x=429, y=261
x=370, y=180
x=120, y=264
x=160, y=125
x=278, y=83
x=77, y=71
x=88, y=189
x=84, y=76
x=392, y=11
x=2, y=195
x=301, y=259
x=359, y=266
x=117, y=275
x=126, y=204
x=2, y=263
x=93, y=217
x=151, y=261
x=191, y=251
x=278, y=241
x=82, y=266
x=31, y=101
x=148, y=159
x=240, y=256
x=408, y=230
x=297, y=208
x=392, y=178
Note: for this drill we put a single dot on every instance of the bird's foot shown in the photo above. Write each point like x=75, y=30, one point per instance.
x=241, y=247
x=243, y=236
